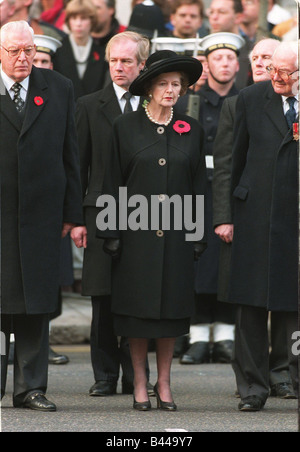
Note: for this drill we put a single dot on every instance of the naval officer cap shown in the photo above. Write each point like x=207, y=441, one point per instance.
x=222, y=40
x=46, y=44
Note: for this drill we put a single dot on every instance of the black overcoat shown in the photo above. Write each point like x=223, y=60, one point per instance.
x=154, y=277
x=40, y=189
x=95, y=114
x=95, y=75
x=221, y=186
x=265, y=191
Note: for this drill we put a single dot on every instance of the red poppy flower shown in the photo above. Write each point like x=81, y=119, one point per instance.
x=38, y=100
x=181, y=127
x=96, y=56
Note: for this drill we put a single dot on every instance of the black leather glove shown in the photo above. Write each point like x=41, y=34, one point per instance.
x=199, y=248
x=112, y=247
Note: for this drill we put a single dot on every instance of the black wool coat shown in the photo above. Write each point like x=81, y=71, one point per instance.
x=95, y=75
x=154, y=276
x=221, y=186
x=264, y=260
x=40, y=189
x=95, y=114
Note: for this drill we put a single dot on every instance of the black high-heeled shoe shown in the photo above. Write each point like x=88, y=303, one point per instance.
x=141, y=406
x=167, y=406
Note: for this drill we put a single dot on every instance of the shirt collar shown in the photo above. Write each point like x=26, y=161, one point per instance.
x=119, y=91
x=8, y=82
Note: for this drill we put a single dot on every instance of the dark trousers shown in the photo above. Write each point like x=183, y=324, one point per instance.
x=30, y=355
x=251, y=351
x=108, y=355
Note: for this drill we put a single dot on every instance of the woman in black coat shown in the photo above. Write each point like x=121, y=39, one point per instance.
x=155, y=155
x=80, y=59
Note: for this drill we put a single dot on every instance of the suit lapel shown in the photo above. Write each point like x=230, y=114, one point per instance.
x=8, y=108
x=109, y=103
x=274, y=109
x=36, y=99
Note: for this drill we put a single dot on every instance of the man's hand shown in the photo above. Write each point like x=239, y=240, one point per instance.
x=67, y=227
x=225, y=232
x=79, y=236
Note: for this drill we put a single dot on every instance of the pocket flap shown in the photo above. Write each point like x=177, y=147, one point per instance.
x=240, y=192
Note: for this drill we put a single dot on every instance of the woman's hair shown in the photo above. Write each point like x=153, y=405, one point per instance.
x=143, y=44
x=183, y=79
x=81, y=7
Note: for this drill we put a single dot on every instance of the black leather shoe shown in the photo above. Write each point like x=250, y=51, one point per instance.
x=251, y=403
x=198, y=353
x=37, y=401
x=55, y=358
x=161, y=405
x=141, y=406
x=103, y=388
x=283, y=391
x=222, y=352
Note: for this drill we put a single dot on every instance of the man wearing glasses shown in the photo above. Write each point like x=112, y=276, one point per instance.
x=40, y=203
x=264, y=271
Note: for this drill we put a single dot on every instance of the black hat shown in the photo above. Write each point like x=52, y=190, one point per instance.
x=146, y=19
x=164, y=61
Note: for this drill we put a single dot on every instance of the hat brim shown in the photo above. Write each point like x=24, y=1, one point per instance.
x=189, y=65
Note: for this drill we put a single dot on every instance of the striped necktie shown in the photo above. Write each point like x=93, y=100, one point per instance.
x=19, y=102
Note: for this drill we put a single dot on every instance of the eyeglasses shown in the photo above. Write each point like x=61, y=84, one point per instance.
x=12, y=53
x=282, y=74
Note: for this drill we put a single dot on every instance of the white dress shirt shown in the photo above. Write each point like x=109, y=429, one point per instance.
x=8, y=83
x=135, y=100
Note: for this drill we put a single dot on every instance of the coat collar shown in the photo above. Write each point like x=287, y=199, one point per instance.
x=273, y=108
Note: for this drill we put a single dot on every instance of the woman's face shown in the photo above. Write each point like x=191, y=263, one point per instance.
x=166, y=89
x=80, y=26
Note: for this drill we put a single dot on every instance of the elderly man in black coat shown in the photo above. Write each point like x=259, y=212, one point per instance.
x=40, y=203
x=264, y=271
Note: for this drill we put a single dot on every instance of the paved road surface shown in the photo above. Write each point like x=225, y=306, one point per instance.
x=204, y=394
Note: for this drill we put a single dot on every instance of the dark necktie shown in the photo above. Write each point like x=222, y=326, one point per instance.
x=291, y=113
x=19, y=102
x=128, y=107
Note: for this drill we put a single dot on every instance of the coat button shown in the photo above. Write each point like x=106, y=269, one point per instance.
x=162, y=162
x=161, y=197
x=210, y=138
x=160, y=130
x=159, y=233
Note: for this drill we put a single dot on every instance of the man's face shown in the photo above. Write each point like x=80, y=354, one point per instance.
x=186, y=21
x=223, y=65
x=6, y=11
x=261, y=58
x=104, y=14
x=222, y=16
x=285, y=60
x=42, y=60
x=201, y=81
x=250, y=11
x=18, y=67
x=123, y=64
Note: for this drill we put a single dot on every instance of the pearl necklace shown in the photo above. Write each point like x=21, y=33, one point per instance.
x=156, y=122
